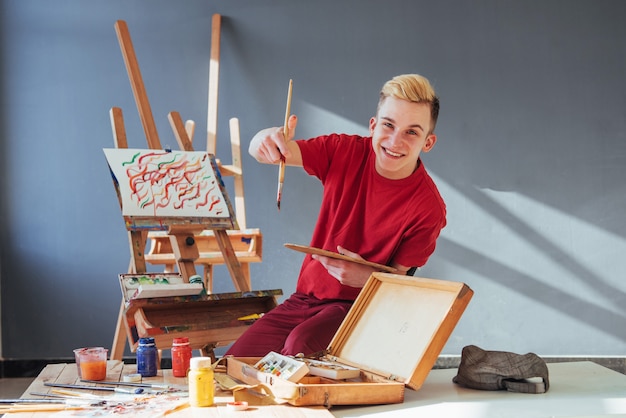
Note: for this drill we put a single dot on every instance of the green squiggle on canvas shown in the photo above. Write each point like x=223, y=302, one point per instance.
x=132, y=160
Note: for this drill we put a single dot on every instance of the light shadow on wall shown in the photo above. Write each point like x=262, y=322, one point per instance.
x=314, y=121
x=544, y=254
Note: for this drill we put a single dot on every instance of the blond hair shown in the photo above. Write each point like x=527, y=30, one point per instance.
x=413, y=88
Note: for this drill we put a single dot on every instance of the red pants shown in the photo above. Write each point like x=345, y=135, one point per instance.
x=301, y=324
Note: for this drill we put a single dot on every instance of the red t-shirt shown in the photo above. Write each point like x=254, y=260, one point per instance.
x=383, y=220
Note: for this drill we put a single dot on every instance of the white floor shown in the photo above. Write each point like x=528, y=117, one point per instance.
x=579, y=389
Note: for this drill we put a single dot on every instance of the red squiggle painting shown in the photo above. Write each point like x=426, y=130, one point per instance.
x=167, y=184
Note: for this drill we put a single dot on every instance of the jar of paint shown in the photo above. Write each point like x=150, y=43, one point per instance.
x=147, y=357
x=181, y=356
x=201, y=386
x=92, y=363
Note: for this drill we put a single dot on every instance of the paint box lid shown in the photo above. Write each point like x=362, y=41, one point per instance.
x=398, y=326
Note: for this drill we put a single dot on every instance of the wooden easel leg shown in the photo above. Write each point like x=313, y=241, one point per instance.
x=245, y=269
x=231, y=261
x=186, y=253
x=208, y=278
x=136, y=83
x=117, y=124
x=119, y=339
x=235, y=144
x=137, y=241
x=214, y=75
x=119, y=138
x=180, y=131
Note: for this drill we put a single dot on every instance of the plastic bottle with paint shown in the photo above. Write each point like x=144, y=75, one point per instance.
x=201, y=387
x=181, y=356
x=147, y=357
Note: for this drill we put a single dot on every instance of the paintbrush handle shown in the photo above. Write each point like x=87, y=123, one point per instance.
x=141, y=385
x=15, y=409
x=2, y=401
x=110, y=389
x=288, y=109
x=281, y=165
x=286, y=129
x=281, y=171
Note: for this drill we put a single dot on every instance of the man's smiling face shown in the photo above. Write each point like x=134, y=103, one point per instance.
x=400, y=132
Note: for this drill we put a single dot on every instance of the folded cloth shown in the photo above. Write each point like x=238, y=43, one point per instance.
x=499, y=370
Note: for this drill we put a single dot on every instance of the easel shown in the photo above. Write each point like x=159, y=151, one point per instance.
x=182, y=238
x=180, y=192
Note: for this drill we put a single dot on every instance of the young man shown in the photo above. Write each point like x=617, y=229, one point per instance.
x=379, y=204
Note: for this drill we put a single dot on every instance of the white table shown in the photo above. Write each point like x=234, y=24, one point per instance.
x=578, y=389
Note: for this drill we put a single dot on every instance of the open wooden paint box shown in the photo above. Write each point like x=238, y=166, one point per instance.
x=393, y=334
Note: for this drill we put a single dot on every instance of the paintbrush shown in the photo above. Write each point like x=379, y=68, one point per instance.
x=55, y=395
x=110, y=389
x=32, y=401
x=15, y=409
x=68, y=394
x=136, y=384
x=281, y=165
x=75, y=399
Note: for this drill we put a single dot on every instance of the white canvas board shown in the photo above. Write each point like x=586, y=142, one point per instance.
x=161, y=184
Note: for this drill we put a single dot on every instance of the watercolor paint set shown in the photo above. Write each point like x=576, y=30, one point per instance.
x=285, y=367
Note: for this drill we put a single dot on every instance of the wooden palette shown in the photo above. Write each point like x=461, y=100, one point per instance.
x=313, y=250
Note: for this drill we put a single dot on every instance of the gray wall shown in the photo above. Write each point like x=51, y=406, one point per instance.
x=531, y=157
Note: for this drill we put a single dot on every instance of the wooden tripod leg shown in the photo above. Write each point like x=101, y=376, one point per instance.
x=136, y=83
x=119, y=339
x=214, y=75
x=117, y=124
x=235, y=145
x=190, y=128
x=231, y=261
x=208, y=278
x=186, y=252
x=180, y=132
x=137, y=241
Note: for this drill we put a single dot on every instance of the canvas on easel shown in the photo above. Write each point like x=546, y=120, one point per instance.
x=159, y=189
